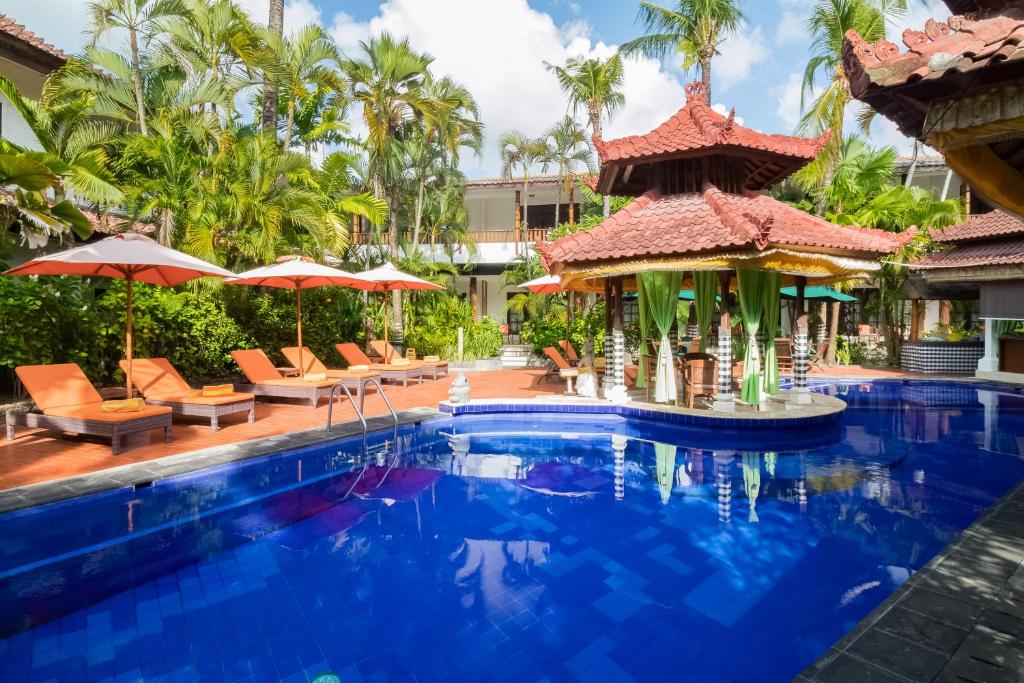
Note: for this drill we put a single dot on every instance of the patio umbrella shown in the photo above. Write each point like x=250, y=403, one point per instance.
x=130, y=257
x=387, y=278
x=548, y=284
x=298, y=273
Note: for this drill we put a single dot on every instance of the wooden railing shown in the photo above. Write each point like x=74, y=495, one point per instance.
x=494, y=236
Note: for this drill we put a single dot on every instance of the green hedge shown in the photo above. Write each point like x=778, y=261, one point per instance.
x=437, y=332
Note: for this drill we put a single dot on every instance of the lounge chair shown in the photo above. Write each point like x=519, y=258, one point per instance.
x=353, y=355
x=161, y=385
x=700, y=377
x=69, y=403
x=352, y=379
x=570, y=352
x=816, y=359
x=434, y=368
x=267, y=380
x=557, y=363
x=784, y=354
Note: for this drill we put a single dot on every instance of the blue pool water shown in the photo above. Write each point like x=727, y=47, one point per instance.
x=510, y=548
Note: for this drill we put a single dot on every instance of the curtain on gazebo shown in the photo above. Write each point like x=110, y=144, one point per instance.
x=751, y=286
x=752, y=483
x=665, y=459
x=645, y=329
x=771, y=331
x=705, y=289
x=662, y=292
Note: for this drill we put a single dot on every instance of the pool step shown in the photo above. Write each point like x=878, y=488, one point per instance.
x=516, y=355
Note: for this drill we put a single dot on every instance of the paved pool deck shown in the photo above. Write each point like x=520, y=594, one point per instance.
x=960, y=618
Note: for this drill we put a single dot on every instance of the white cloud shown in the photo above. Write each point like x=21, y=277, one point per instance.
x=67, y=33
x=739, y=55
x=724, y=111
x=787, y=99
x=792, y=27
x=497, y=49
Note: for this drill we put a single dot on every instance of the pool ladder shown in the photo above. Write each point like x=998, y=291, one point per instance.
x=359, y=408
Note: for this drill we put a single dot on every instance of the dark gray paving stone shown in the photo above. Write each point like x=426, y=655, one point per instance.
x=985, y=658
x=963, y=588
x=993, y=569
x=922, y=629
x=897, y=655
x=1006, y=628
x=847, y=669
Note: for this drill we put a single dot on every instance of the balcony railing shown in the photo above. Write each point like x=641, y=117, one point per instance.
x=490, y=236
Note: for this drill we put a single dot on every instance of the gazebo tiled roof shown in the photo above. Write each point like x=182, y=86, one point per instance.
x=697, y=130
x=661, y=226
x=986, y=241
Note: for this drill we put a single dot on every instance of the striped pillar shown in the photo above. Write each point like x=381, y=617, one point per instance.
x=800, y=390
x=619, y=448
x=617, y=391
x=723, y=484
x=609, y=360
x=619, y=353
x=723, y=399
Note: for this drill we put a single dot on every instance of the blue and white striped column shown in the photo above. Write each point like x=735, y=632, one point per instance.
x=724, y=402
x=801, y=393
x=723, y=484
x=619, y=448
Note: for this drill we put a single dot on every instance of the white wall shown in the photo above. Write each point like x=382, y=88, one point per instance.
x=12, y=125
x=496, y=295
x=494, y=208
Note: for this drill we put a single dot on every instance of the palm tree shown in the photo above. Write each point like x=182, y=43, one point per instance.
x=567, y=148
x=827, y=25
x=693, y=29
x=27, y=180
x=71, y=141
x=139, y=18
x=594, y=85
x=521, y=151
x=268, y=108
x=307, y=60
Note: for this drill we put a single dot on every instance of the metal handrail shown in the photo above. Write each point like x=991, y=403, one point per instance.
x=362, y=398
x=387, y=401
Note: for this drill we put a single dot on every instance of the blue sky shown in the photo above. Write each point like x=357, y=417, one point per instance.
x=497, y=48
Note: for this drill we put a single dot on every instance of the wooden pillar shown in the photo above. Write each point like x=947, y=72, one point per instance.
x=517, y=238
x=723, y=399
x=474, y=302
x=915, y=319
x=356, y=229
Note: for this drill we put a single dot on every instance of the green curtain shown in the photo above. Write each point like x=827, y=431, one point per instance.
x=771, y=331
x=645, y=329
x=752, y=482
x=662, y=292
x=751, y=284
x=1001, y=327
x=665, y=459
x=705, y=289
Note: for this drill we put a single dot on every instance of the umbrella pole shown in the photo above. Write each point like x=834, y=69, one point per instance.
x=568, y=320
x=298, y=314
x=128, y=339
x=386, y=302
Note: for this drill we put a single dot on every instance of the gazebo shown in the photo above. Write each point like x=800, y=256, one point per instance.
x=701, y=220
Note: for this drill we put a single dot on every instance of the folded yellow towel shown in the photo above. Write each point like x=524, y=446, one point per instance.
x=218, y=390
x=400, y=361
x=359, y=368
x=128, y=405
x=431, y=359
x=315, y=376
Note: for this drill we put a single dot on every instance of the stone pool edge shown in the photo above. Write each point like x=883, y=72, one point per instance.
x=132, y=474
x=960, y=617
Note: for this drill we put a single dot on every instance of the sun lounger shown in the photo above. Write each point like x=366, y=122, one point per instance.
x=266, y=380
x=434, y=368
x=313, y=366
x=570, y=352
x=161, y=385
x=557, y=363
x=353, y=355
x=69, y=403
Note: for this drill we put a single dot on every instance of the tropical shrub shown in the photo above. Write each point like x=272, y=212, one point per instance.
x=437, y=332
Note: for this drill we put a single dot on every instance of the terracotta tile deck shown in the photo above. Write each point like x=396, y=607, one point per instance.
x=37, y=455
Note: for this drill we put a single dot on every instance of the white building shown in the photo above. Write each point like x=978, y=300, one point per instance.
x=26, y=60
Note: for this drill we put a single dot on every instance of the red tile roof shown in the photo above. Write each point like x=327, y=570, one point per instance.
x=961, y=44
x=1007, y=251
x=657, y=225
x=697, y=126
x=996, y=223
x=18, y=31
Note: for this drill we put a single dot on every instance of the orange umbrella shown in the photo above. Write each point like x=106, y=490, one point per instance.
x=387, y=278
x=130, y=257
x=298, y=273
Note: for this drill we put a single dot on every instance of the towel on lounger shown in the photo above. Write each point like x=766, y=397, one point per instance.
x=128, y=405
x=315, y=377
x=359, y=368
x=218, y=390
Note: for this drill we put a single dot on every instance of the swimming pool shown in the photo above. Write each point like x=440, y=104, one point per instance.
x=496, y=547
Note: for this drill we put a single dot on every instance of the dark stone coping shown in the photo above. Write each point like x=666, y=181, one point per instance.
x=959, y=618
x=148, y=471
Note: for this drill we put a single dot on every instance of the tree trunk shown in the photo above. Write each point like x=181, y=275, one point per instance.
x=833, y=334
x=269, y=110
x=525, y=236
x=140, y=102
x=289, y=123
x=572, y=210
x=830, y=166
x=913, y=165
x=705, y=76
x=558, y=202
x=607, y=206
x=945, y=184
x=419, y=215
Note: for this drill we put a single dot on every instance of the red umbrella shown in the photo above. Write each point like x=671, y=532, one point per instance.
x=387, y=278
x=129, y=257
x=298, y=273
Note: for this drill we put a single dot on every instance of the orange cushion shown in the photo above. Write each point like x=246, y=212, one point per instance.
x=294, y=382
x=255, y=364
x=95, y=412
x=210, y=390
x=352, y=354
x=54, y=386
x=154, y=376
x=310, y=361
x=196, y=396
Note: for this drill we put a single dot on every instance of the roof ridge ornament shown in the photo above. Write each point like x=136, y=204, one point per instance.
x=695, y=91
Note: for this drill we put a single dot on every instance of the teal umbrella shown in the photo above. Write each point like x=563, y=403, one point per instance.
x=818, y=292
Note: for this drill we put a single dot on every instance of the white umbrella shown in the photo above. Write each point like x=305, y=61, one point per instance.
x=130, y=257
x=548, y=284
x=298, y=273
x=387, y=278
